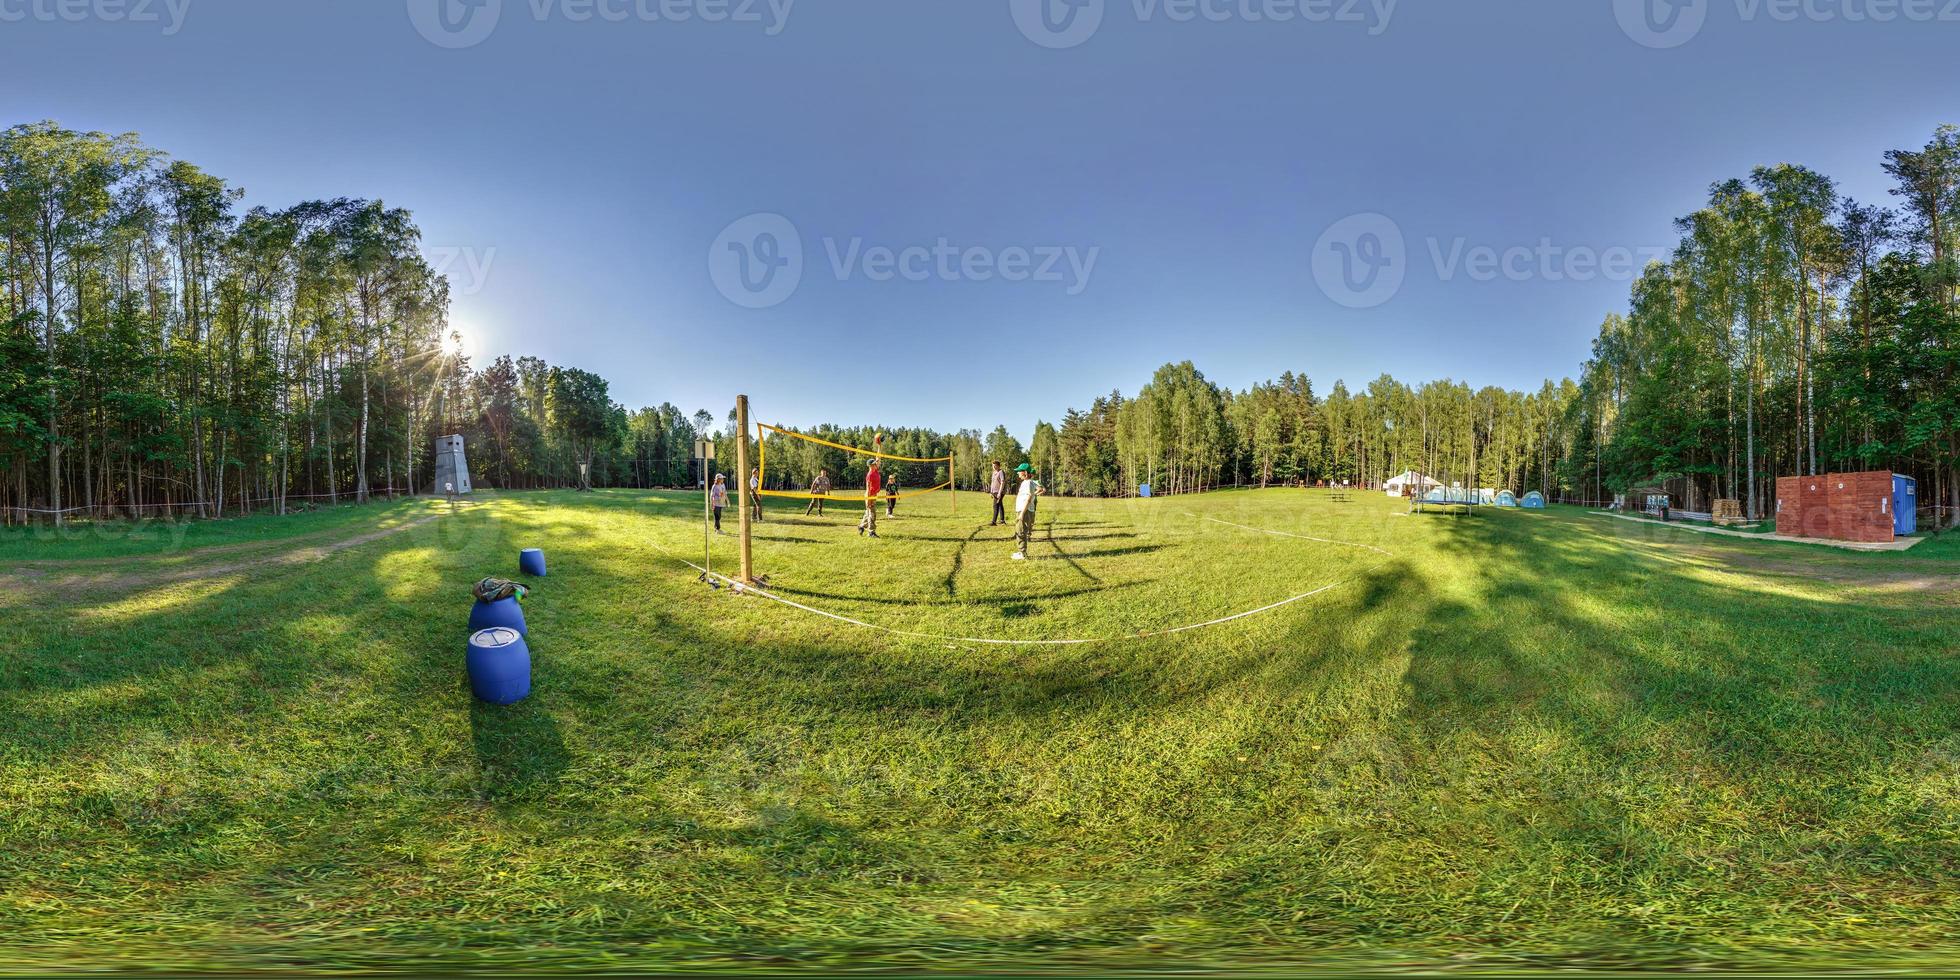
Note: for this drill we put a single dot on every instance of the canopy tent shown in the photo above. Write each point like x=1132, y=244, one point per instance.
x=1399, y=486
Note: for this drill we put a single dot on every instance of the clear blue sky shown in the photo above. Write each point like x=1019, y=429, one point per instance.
x=593, y=163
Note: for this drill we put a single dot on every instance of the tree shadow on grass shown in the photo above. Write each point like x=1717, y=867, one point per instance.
x=520, y=752
x=1598, y=639
x=1065, y=556
x=959, y=560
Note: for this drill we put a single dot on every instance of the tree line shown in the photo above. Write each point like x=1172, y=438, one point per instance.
x=1183, y=433
x=165, y=352
x=1793, y=331
x=162, y=352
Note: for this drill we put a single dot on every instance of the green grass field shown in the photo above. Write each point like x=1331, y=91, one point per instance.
x=1507, y=740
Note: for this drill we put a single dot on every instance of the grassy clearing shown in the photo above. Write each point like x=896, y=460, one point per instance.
x=1529, y=739
x=116, y=539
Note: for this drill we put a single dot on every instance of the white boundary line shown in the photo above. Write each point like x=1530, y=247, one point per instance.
x=995, y=641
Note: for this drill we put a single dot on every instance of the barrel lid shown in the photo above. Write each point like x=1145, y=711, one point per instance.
x=534, y=551
x=495, y=636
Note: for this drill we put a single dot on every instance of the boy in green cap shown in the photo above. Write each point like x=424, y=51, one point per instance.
x=1024, y=503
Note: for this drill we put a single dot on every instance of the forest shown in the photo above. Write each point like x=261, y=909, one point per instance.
x=164, y=354
x=1794, y=331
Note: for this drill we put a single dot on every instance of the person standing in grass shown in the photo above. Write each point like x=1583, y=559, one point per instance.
x=718, y=498
x=891, y=497
x=873, y=482
x=997, y=486
x=819, y=489
x=755, y=494
x=1024, y=505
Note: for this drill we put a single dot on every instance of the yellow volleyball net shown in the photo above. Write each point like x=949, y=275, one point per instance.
x=844, y=491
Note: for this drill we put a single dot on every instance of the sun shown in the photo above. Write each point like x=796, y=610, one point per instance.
x=457, y=344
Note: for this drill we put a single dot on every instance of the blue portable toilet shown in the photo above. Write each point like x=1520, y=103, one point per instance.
x=1143, y=490
x=1534, y=501
x=1905, y=505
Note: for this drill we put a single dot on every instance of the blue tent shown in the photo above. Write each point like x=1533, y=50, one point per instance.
x=1506, y=498
x=1534, y=501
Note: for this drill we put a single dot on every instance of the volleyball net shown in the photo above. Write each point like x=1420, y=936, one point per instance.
x=847, y=488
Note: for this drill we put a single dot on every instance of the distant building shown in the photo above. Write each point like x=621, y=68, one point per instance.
x=452, y=468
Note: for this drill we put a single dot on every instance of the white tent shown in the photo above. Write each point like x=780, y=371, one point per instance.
x=1396, y=486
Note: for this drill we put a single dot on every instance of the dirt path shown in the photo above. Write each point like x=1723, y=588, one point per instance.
x=40, y=581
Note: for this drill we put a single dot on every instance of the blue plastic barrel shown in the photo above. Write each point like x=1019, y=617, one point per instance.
x=531, y=562
x=504, y=612
x=499, y=663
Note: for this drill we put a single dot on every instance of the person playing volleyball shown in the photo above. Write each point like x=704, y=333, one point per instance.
x=718, y=498
x=873, y=482
x=819, y=488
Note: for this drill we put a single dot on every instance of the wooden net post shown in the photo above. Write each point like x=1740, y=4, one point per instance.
x=742, y=475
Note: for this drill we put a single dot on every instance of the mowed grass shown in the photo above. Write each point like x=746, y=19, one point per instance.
x=119, y=539
x=1525, y=739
